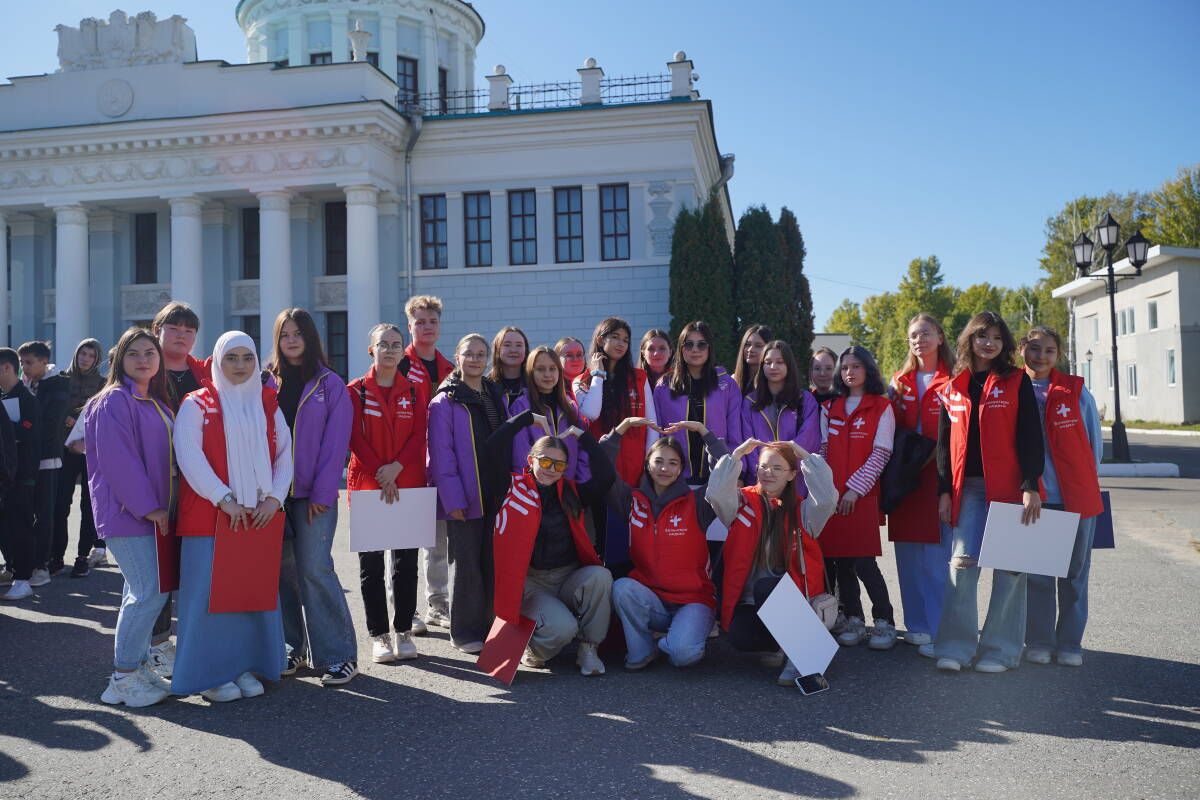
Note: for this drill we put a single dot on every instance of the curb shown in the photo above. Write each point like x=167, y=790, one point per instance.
x=1153, y=432
x=1141, y=469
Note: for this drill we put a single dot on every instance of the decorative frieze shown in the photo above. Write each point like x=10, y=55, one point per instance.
x=143, y=300
x=661, y=227
x=329, y=293
x=243, y=298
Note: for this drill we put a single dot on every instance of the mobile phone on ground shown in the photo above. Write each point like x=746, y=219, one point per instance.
x=812, y=684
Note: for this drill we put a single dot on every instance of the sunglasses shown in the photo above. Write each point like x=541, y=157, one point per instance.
x=695, y=345
x=545, y=462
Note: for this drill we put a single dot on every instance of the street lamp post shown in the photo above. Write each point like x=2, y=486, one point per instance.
x=1109, y=234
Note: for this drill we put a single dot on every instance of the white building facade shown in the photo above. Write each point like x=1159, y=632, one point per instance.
x=137, y=174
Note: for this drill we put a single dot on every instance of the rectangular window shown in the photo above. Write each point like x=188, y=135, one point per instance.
x=614, y=222
x=522, y=227
x=1152, y=315
x=336, y=343
x=1121, y=322
x=477, y=222
x=252, y=328
x=433, y=231
x=1131, y=378
x=406, y=78
x=1171, y=367
x=1109, y=367
x=320, y=58
x=568, y=224
x=335, y=238
x=1095, y=328
x=443, y=91
x=373, y=59
x=1085, y=370
x=1132, y=328
x=250, y=243
x=145, y=248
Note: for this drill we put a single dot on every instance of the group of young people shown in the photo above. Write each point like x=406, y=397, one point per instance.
x=638, y=501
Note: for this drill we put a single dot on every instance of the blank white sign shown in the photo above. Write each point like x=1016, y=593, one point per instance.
x=405, y=524
x=797, y=628
x=1043, y=548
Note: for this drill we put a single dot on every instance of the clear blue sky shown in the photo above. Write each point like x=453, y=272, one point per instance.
x=892, y=130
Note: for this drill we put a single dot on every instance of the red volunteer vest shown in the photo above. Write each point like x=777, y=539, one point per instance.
x=513, y=537
x=997, y=435
x=1069, y=448
x=742, y=543
x=631, y=458
x=850, y=442
x=916, y=518
x=388, y=430
x=424, y=383
x=670, y=554
x=197, y=515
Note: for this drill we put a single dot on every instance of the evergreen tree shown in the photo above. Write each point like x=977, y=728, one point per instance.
x=800, y=335
x=763, y=291
x=701, y=275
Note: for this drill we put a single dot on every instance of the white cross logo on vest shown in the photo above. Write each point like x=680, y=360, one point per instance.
x=404, y=402
x=1062, y=410
x=997, y=391
x=858, y=423
x=676, y=519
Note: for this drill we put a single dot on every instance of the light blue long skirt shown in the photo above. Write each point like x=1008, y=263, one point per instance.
x=212, y=649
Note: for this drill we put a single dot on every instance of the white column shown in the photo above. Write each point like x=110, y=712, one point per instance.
x=72, y=317
x=275, y=256
x=3, y=279
x=362, y=269
x=339, y=26
x=458, y=75
x=428, y=71
x=186, y=261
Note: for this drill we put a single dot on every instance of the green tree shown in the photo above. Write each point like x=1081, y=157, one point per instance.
x=800, y=335
x=969, y=302
x=847, y=318
x=763, y=290
x=701, y=275
x=1175, y=210
x=885, y=334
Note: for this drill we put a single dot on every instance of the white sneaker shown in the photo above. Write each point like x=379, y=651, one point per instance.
x=153, y=678
x=381, y=649
x=419, y=628
x=990, y=666
x=530, y=659
x=404, y=649
x=854, y=632
x=927, y=650
x=883, y=635
x=98, y=557
x=948, y=665
x=40, y=577
x=18, y=591
x=437, y=619
x=132, y=689
x=161, y=658
x=224, y=693
x=1070, y=659
x=588, y=660
x=917, y=639
x=249, y=685
x=470, y=648
x=1037, y=655
x=789, y=674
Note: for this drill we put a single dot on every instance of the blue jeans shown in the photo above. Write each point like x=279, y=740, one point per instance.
x=1040, y=630
x=642, y=614
x=921, y=569
x=307, y=580
x=137, y=556
x=958, y=635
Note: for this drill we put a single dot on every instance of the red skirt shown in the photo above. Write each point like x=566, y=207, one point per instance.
x=855, y=535
x=916, y=518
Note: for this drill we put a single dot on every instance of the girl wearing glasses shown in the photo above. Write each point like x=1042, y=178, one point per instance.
x=654, y=354
x=387, y=452
x=546, y=396
x=779, y=408
x=750, y=355
x=857, y=430
x=510, y=347
x=467, y=409
x=570, y=353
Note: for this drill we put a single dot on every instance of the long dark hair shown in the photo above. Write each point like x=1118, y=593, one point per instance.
x=681, y=381
x=872, y=385
x=791, y=395
x=559, y=392
x=570, y=497
x=313, y=357
x=742, y=374
x=647, y=337
x=1004, y=362
x=496, y=373
x=615, y=403
x=773, y=542
x=158, y=389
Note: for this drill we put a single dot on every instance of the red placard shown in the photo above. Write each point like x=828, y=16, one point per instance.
x=506, y=643
x=245, y=568
x=168, y=546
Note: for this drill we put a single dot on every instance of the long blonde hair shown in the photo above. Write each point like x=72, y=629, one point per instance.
x=945, y=353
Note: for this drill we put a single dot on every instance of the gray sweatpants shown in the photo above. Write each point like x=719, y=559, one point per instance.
x=566, y=603
x=437, y=573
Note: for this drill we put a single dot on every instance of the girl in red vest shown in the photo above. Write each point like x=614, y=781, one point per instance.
x=547, y=569
x=387, y=453
x=654, y=355
x=989, y=449
x=750, y=355
x=773, y=533
x=857, y=429
x=510, y=348
x=922, y=541
x=235, y=455
x=1074, y=445
x=570, y=352
x=670, y=589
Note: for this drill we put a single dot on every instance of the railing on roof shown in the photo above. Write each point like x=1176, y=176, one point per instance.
x=539, y=96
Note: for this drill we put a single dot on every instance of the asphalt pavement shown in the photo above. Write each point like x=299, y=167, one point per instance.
x=1126, y=724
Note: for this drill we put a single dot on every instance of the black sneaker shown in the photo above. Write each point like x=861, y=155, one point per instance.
x=293, y=664
x=81, y=568
x=340, y=673
x=56, y=566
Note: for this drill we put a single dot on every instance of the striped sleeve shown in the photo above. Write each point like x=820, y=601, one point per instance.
x=865, y=477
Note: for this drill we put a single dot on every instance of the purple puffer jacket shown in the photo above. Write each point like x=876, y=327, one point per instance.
x=452, y=467
x=128, y=461
x=805, y=431
x=320, y=438
x=577, y=461
x=722, y=413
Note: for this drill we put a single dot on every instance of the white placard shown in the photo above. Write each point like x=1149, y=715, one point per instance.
x=405, y=524
x=1043, y=548
x=13, y=406
x=717, y=531
x=797, y=628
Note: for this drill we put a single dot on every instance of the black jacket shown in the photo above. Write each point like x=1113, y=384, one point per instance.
x=29, y=434
x=910, y=453
x=53, y=397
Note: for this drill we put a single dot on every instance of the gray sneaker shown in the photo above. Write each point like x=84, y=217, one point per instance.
x=436, y=618
x=589, y=660
x=854, y=632
x=40, y=578
x=883, y=635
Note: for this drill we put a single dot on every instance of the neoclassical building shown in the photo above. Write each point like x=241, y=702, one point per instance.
x=351, y=163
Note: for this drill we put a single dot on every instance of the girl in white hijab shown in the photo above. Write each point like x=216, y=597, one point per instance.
x=219, y=654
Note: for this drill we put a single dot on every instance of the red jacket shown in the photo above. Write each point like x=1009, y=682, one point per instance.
x=742, y=543
x=197, y=515
x=849, y=444
x=414, y=369
x=670, y=553
x=381, y=435
x=916, y=518
x=997, y=435
x=631, y=459
x=1068, y=446
x=513, y=537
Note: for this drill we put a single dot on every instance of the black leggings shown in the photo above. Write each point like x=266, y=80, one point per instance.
x=374, y=591
x=746, y=630
x=74, y=469
x=848, y=572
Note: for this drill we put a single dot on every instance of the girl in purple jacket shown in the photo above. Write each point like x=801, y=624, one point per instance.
x=127, y=428
x=466, y=411
x=779, y=408
x=314, y=402
x=696, y=389
x=546, y=395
